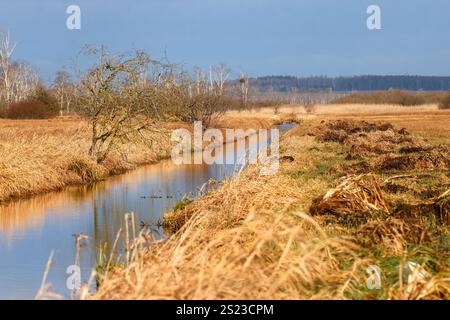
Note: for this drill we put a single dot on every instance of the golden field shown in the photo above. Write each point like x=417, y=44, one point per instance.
x=45, y=155
x=350, y=194
x=39, y=156
x=353, y=191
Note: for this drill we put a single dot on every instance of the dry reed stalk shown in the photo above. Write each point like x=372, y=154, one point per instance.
x=44, y=291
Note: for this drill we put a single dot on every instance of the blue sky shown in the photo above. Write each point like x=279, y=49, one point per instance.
x=260, y=37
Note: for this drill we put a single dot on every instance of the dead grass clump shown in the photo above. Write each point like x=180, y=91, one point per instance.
x=386, y=136
x=436, y=210
x=87, y=169
x=355, y=197
x=251, y=190
x=365, y=138
x=392, y=233
x=420, y=285
x=375, y=143
x=442, y=206
x=332, y=136
x=429, y=159
x=362, y=150
x=353, y=126
x=414, y=149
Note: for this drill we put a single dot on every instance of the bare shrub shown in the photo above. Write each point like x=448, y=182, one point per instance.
x=30, y=109
x=445, y=102
x=47, y=98
x=207, y=107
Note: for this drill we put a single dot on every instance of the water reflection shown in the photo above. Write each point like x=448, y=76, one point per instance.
x=30, y=229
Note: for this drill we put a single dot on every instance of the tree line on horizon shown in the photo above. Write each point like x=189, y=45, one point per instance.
x=350, y=84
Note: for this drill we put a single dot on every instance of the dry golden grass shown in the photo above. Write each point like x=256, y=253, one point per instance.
x=434, y=125
x=45, y=155
x=39, y=156
x=358, y=111
x=244, y=123
x=247, y=240
x=268, y=114
x=251, y=239
x=363, y=109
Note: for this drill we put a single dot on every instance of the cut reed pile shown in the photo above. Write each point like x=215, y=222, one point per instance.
x=387, y=148
x=354, y=195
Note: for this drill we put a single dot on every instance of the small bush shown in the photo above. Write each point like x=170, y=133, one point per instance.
x=204, y=107
x=47, y=98
x=445, y=102
x=30, y=109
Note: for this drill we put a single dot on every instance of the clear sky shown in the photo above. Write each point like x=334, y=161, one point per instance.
x=260, y=37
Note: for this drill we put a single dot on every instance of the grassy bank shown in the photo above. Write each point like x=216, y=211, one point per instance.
x=45, y=155
x=40, y=156
x=349, y=195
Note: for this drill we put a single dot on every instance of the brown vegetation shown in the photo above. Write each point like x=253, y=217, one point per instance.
x=445, y=102
x=30, y=109
x=251, y=238
x=246, y=240
x=395, y=97
x=45, y=155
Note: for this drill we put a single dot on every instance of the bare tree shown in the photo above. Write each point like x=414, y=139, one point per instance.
x=244, y=82
x=24, y=80
x=200, y=81
x=18, y=79
x=113, y=101
x=220, y=75
x=63, y=88
x=6, y=51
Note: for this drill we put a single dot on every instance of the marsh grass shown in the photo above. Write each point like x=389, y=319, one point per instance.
x=45, y=155
x=253, y=239
x=237, y=246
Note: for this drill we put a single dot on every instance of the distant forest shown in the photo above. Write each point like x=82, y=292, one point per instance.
x=349, y=84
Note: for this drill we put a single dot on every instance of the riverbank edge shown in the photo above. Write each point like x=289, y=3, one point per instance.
x=250, y=208
x=90, y=173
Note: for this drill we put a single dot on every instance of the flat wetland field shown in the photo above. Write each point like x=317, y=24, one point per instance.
x=39, y=156
x=355, y=191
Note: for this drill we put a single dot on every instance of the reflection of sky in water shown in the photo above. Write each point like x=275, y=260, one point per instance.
x=31, y=229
